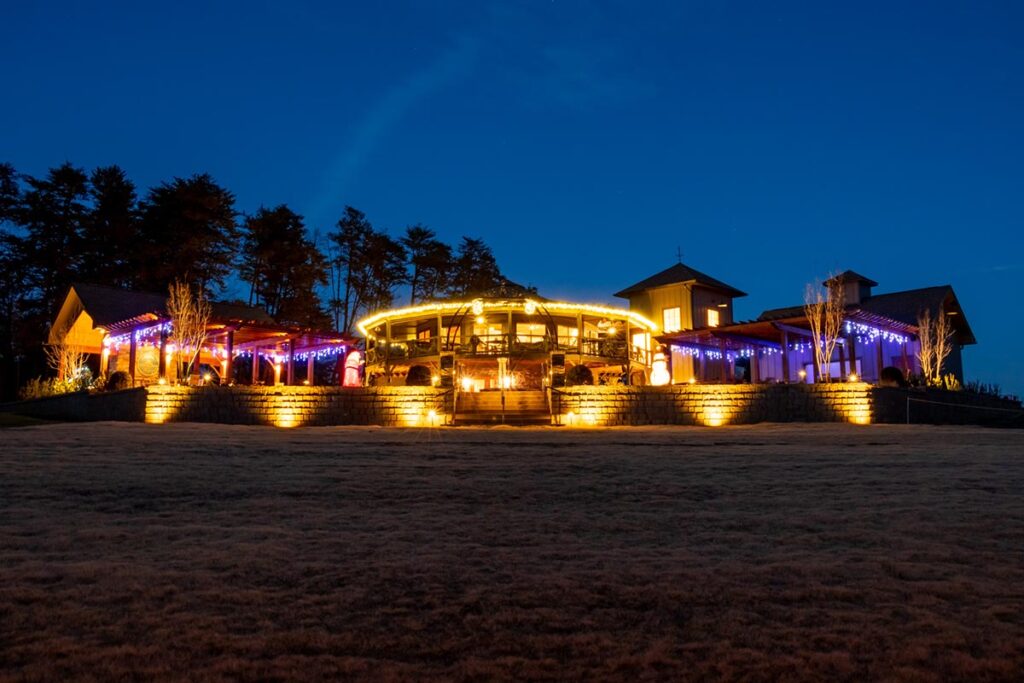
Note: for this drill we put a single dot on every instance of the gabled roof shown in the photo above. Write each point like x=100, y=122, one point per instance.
x=109, y=306
x=903, y=307
x=678, y=274
x=907, y=305
x=851, y=276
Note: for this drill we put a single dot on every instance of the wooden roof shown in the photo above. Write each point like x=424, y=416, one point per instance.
x=113, y=308
x=119, y=311
x=679, y=274
x=851, y=276
x=900, y=307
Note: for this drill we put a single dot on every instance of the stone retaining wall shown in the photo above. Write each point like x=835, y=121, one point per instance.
x=293, y=406
x=124, y=406
x=714, y=404
x=579, y=406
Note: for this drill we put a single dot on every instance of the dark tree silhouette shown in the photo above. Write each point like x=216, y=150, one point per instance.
x=349, y=244
x=384, y=271
x=188, y=229
x=366, y=268
x=283, y=267
x=110, y=240
x=10, y=194
x=430, y=262
x=14, y=283
x=52, y=215
x=475, y=269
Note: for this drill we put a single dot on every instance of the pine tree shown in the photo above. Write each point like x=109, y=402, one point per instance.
x=283, y=267
x=188, y=231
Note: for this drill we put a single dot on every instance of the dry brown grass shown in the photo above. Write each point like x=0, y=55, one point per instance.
x=182, y=551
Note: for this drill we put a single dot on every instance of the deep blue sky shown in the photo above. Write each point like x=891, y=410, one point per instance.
x=772, y=142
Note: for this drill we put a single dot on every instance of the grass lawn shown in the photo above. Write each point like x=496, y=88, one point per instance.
x=8, y=420
x=798, y=552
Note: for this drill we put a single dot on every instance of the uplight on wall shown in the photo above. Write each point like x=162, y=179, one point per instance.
x=714, y=417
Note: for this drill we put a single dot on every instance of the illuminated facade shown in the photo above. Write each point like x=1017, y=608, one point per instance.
x=879, y=331
x=129, y=331
x=506, y=339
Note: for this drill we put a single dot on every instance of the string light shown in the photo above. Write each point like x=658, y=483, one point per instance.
x=552, y=307
x=867, y=333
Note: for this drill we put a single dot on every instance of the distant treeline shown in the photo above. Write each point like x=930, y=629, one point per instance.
x=76, y=226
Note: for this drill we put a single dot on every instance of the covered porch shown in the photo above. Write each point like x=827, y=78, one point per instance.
x=782, y=350
x=233, y=353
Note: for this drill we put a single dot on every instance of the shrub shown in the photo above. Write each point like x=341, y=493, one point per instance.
x=579, y=374
x=892, y=377
x=118, y=380
x=45, y=387
x=419, y=376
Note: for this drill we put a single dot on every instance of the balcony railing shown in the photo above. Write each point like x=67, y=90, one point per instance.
x=503, y=345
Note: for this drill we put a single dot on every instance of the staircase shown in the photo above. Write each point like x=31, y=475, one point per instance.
x=521, y=408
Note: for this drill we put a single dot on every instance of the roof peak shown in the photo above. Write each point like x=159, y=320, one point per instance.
x=851, y=276
x=679, y=273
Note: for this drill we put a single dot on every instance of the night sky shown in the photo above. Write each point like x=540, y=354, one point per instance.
x=771, y=142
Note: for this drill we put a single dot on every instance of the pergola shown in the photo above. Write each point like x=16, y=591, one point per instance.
x=131, y=330
x=862, y=333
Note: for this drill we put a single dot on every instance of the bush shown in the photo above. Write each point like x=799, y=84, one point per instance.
x=419, y=376
x=45, y=387
x=118, y=381
x=892, y=377
x=579, y=374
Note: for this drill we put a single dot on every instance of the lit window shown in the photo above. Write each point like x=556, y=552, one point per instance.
x=670, y=321
x=712, y=317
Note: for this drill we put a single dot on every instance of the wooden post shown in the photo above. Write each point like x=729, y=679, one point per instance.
x=785, y=356
x=310, y=367
x=629, y=355
x=842, y=361
x=880, y=358
x=725, y=362
x=852, y=339
x=131, y=356
x=579, y=338
x=162, y=372
x=755, y=371
x=255, y=365
x=291, y=362
x=229, y=366
x=387, y=352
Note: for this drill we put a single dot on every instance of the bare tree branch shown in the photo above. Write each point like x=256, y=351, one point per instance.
x=189, y=313
x=825, y=316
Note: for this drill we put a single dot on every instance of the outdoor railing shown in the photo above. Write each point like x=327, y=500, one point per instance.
x=504, y=344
